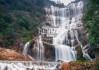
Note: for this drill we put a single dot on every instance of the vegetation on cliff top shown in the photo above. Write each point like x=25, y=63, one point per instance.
x=19, y=20
x=91, y=22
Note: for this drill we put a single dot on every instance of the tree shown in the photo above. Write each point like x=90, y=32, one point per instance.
x=91, y=22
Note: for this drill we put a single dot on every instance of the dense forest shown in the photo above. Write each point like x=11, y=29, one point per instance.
x=91, y=22
x=19, y=20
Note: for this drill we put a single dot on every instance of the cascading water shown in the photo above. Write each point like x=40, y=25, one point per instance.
x=40, y=53
x=38, y=48
x=66, y=21
x=25, y=50
x=23, y=65
x=62, y=51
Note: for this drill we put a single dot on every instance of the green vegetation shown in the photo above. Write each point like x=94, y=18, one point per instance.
x=80, y=57
x=1, y=58
x=97, y=66
x=97, y=61
x=19, y=20
x=81, y=60
x=91, y=22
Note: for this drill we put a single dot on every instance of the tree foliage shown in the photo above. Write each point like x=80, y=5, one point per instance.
x=91, y=22
x=19, y=20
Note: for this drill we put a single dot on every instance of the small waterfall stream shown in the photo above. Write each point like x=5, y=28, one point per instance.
x=25, y=50
x=38, y=48
x=40, y=52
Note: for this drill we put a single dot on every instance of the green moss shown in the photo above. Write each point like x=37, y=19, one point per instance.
x=81, y=60
x=97, y=60
x=2, y=58
x=91, y=22
x=97, y=65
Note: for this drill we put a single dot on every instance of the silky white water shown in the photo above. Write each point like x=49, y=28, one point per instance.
x=40, y=52
x=30, y=65
x=66, y=2
x=66, y=20
x=25, y=50
x=38, y=48
x=65, y=23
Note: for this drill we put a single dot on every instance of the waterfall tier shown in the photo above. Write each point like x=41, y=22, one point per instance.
x=23, y=65
x=65, y=28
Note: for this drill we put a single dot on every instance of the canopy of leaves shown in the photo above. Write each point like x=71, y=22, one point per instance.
x=91, y=22
x=19, y=20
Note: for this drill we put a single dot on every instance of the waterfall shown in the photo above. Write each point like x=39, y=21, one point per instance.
x=63, y=35
x=65, y=23
x=62, y=51
x=84, y=51
x=30, y=65
x=67, y=20
x=37, y=47
x=25, y=50
x=40, y=51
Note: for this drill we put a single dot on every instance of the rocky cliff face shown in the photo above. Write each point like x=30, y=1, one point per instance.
x=70, y=17
x=65, y=24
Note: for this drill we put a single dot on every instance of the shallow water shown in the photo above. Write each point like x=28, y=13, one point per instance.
x=29, y=65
